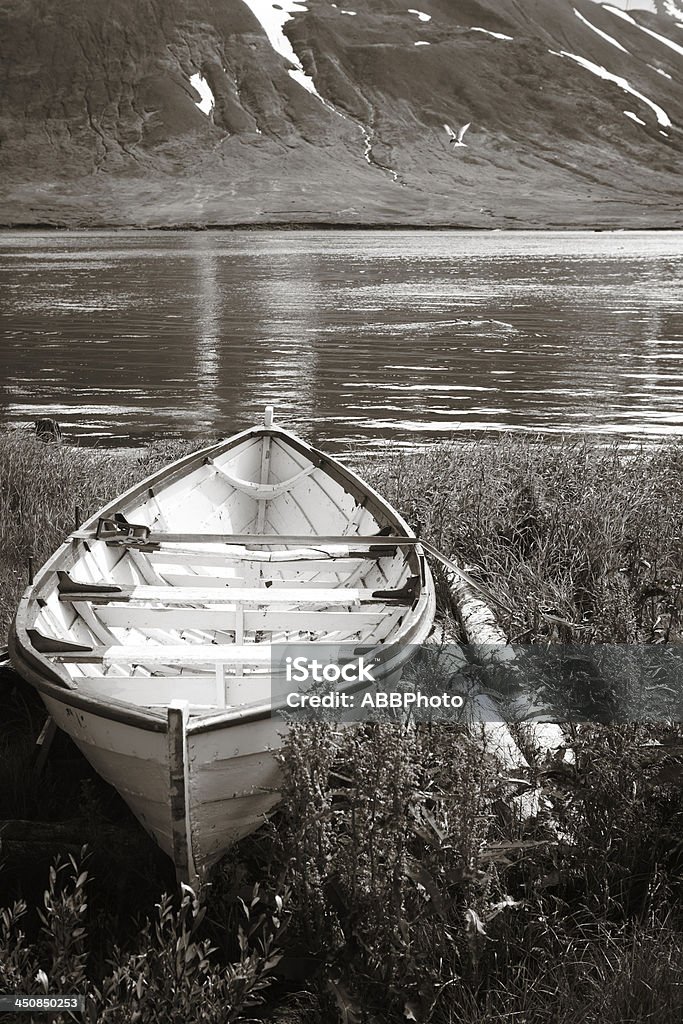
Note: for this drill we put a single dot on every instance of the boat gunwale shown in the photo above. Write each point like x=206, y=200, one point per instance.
x=43, y=674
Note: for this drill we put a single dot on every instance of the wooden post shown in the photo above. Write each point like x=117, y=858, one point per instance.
x=178, y=773
x=43, y=744
x=48, y=430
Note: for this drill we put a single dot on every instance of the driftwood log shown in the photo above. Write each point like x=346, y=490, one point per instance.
x=478, y=623
x=492, y=649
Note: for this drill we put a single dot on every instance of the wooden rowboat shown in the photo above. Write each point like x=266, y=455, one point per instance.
x=149, y=632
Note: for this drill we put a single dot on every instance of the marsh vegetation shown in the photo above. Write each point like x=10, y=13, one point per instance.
x=398, y=881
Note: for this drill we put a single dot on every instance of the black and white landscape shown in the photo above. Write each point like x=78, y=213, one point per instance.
x=222, y=112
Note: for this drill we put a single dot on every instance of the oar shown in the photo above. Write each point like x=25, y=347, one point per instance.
x=453, y=567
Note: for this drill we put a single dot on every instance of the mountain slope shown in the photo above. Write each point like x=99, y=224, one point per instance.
x=196, y=112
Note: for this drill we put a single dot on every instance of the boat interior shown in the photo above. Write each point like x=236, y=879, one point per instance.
x=179, y=590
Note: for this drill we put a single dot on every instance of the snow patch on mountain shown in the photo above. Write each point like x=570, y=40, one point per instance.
x=661, y=115
x=655, y=35
x=421, y=42
x=673, y=10
x=207, y=102
x=421, y=15
x=660, y=71
x=496, y=35
x=273, y=18
x=610, y=39
x=634, y=117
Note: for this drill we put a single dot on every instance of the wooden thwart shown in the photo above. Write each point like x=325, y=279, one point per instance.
x=172, y=654
x=133, y=617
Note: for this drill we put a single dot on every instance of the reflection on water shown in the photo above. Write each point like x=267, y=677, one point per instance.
x=356, y=337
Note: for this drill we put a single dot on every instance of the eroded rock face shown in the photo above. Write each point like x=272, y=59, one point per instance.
x=341, y=119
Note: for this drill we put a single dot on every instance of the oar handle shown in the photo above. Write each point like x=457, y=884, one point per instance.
x=453, y=567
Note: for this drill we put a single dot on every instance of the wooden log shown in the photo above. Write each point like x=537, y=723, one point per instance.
x=42, y=833
x=479, y=624
x=485, y=720
x=491, y=648
x=29, y=846
x=48, y=430
x=67, y=836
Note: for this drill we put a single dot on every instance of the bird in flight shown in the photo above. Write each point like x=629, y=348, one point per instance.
x=457, y=139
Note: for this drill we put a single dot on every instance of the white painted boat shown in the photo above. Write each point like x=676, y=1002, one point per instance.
x=148, y=633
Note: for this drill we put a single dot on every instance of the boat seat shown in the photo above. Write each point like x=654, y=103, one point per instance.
x=173, y=654
x=129, y=616
x=70, y=590
x=228, y=595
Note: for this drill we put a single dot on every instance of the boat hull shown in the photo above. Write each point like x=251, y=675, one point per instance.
x=136, y=636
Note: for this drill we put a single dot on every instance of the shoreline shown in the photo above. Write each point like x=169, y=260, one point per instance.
x=294, y=226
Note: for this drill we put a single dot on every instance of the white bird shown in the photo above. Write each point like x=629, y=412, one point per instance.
x=457, y=139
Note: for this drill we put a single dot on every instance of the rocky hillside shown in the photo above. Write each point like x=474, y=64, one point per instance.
x=218, y=112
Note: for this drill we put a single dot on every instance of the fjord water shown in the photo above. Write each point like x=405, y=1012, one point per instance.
x=359, y=338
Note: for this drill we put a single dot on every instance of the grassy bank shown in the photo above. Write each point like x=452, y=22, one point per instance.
x=572, y=531
x=398, y=881
x=580, y=542
x=41, y=485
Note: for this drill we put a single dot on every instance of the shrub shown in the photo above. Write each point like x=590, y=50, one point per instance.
x=169, y=975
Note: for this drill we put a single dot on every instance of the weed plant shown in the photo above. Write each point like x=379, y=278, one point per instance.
x=169, y=973
x=423, y=896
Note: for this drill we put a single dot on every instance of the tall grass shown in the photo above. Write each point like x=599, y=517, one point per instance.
x=40, y=487
x=581, y=542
